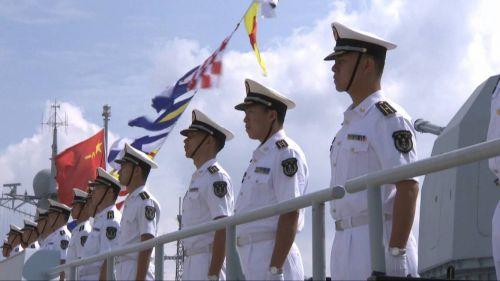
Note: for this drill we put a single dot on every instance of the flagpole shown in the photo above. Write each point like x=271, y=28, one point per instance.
x=106, y=113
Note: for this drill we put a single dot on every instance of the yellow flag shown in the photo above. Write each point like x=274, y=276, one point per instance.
x=251, y=27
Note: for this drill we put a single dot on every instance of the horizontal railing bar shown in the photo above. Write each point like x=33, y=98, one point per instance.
x=269, y=211
x=436, y=163
x=432, y=164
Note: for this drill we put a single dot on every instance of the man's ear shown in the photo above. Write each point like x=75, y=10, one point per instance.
x=369, y=63
x=273, y=114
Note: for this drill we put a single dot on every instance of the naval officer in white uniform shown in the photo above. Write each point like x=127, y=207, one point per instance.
x=277, y=172
x=30, y=235
x=140, y=217
x=80, y=233
x=376, y=134
x=58, y=240
x=103, y=237
x=209, y=197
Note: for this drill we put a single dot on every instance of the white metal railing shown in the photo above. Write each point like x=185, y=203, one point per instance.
x=316, y=200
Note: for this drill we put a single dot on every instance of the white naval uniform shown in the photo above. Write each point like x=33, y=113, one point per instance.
x=141, y=214
x=59, y=241
x=366, y=143
x=102, y=238
x=79, y=237
x=266, y=183
x=494, y=163
x=210, y=195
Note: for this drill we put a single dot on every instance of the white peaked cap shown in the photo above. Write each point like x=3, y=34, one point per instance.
x=352, y=40
x=260, y=94
x=135, y=156
x=201, y=122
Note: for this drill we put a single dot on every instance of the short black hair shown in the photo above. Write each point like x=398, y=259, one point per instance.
x=379, y=61
x=66, y=216
x=280, y=113
x=145, y=169
x=219, y=144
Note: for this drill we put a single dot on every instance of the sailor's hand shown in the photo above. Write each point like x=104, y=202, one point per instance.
x=397, y=265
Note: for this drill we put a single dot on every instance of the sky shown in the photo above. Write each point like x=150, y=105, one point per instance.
x=85, y=54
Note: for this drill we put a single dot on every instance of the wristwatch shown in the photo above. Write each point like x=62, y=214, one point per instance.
x=274, y=270
x=395, y=251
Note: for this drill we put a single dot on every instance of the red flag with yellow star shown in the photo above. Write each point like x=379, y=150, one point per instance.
x=77, y=165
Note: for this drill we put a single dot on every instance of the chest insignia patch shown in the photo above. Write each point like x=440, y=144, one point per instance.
x=64, y=244
x=83, y=240
x=111, y=232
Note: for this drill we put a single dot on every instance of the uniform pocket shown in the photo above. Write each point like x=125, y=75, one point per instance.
x=357, y=146
x=193, y=195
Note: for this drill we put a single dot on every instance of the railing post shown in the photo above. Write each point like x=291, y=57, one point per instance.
x=233, y=264
x=318, y=240
x=110, y=268
x=72, y=273
x=376, y=228
x=159, y=262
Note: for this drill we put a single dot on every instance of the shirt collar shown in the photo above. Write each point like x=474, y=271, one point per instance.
x=137, y=191
x=266, y=146
x=80, y=224
x=364, y=106
x=101, y=213
x=60, y=228
x=203, y=168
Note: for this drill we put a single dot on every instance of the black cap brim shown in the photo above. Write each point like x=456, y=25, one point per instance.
x=186, y=131
x=334, y=55
x=242, y=106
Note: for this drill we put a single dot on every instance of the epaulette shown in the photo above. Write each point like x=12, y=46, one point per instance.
x=81, y=227
x=213, y=169
x=62, y=232
x=281, y=144
x=110, y=214
x=144, y=195
x=385, y=108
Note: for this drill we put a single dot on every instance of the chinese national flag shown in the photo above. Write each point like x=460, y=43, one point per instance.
x=77, y=165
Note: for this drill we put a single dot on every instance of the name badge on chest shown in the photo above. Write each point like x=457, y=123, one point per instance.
x=356, y=137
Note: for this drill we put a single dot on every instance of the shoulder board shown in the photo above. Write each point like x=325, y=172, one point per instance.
x=213, y=169
x=385, y=108
x=281, y=144
x=110, y=214
x=81, y=227
x=62, y=232
x=144, y=195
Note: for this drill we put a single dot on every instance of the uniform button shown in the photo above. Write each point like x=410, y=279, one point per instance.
x=352, y=149
x=362, y=109
x=241, y=193
x=496, y=171
x=334, y=210
x=346, y=122
x=334, y=164
x=339, y=143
